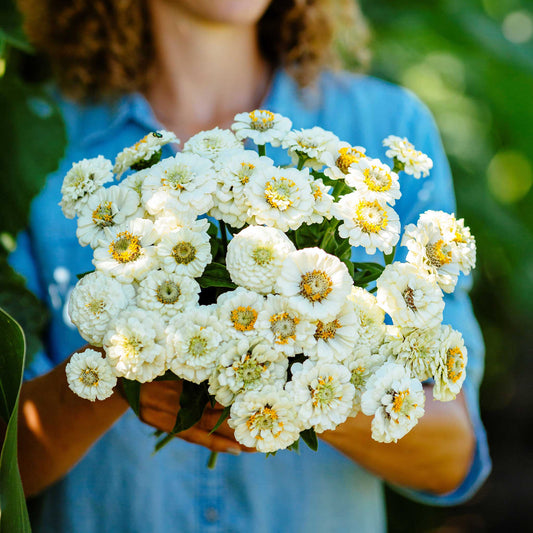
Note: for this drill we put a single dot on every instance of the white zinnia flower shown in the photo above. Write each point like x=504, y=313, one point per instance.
x=396, y=401
x=238, y=311
x=105, y=209
x=322, y=393
x=90, y=376
x=261, y=126
x=362, y=364
x=314, y=144
x=83, y=179
x=450, y=367
x=370, y=317
x=369, y=223
x=375, y=180
x=280, y=197
x=417, y=350
x=342, y=159
x=144, y=153
x=265, y=420
x=255, y=256
x=194, y=344
x=406, y=157
x=323, y=202
x=316, y=283
x=134, y=345
x=94, y=302
x=183, y=184
x=335, y=339
x=233, y=171
x=435, y=254
x=167, y=293
x=412, y=300
x=127, y=252
x=247, y=364
x=283, y=327
x=185, y=251
x=212, y=143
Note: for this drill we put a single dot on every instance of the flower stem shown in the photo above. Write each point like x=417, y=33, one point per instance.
x=211, y=463
x=261, y=149
x=224, y=237
x=389, y=258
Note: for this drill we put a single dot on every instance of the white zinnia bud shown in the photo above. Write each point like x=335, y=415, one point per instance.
x=406, y=157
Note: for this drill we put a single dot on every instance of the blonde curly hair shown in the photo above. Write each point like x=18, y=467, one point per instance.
x=101, y=48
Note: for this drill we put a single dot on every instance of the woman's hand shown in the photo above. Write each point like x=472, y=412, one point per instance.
x=159, y=407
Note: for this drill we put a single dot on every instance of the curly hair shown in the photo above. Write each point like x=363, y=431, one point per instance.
x=100, y=48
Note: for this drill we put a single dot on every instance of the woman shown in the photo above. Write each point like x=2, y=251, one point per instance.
x=190, y=65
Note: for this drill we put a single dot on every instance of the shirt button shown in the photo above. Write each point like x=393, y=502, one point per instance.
x=211, y=514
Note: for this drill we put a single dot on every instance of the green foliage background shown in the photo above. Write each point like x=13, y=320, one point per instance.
x=471, y=62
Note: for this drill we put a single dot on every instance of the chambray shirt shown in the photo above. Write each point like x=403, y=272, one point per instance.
x=120, y=486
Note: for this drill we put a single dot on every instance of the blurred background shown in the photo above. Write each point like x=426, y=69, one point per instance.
x=471, y=62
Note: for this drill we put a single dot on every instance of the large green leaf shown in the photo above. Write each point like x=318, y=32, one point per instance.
x=23, y=306
x=13, y=512
x=32, y=139
x=11, y=26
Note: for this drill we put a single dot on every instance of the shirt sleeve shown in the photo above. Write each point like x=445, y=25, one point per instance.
x=436, y=193
x=23, y=261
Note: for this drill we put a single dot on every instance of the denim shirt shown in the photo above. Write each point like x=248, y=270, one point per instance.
x=120, y=485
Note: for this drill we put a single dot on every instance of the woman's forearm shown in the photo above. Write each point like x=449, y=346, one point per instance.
x=56, y=428
x=435, y=456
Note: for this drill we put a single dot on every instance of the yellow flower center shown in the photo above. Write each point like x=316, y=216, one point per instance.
x=103, y=215
x=177, y=178
x=96, y=306
x=261, y=119
x=283, y=326
x=438, y=254
x=326, y=330
x=265, y=419
x=357, y=379
x=324, y=393
x=262, y=255
x=278, y=192
x=243, y=318
x=348, y=156
x=317, y=191
x=377, y=180
x=245, y=172
x=197, y=346
x=168, y=292
x=454, y=363
x=125, y=248
x=184, y=252
x=370, y=216
x=250, y=370
x=89, y=376
x=398, y=400
x=315, y=286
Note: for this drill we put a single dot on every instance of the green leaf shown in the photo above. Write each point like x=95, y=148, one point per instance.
x=216, y=275
x=366, y=272
x=13, y=512
x=33, y=140
x=23, y=306
x=295, y=446
x=83, y=274
x=310, y=438
x=132, y=391
x=193, y=399
x=223, y=416
x=11, y=26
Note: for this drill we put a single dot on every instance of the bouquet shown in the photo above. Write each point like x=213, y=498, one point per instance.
x=292, y=336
